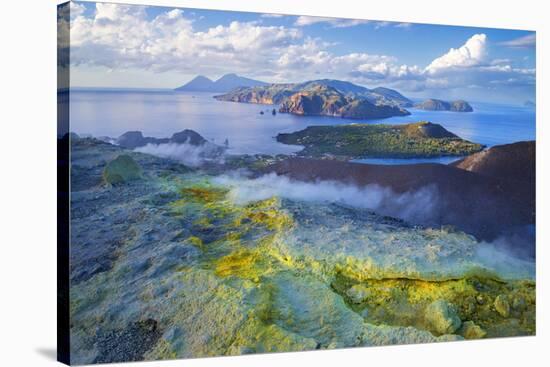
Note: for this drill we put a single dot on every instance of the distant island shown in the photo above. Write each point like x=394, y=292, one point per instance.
x=355, y=141
x=135, y=139
x=224, y=84
x=325, y=98
x=278, y=92
x=529, y=104
x=439, y=105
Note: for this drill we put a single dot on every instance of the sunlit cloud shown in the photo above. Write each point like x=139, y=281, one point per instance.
x=121, y=37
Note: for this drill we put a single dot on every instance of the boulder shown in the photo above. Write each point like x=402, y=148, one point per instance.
x=442, y=318
x=470, y=330
x=502, y=306
x=121, y=169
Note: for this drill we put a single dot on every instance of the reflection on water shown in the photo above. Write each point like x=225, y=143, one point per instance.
x=161, y=113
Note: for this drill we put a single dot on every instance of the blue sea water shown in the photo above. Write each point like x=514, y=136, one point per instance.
x=160, y=113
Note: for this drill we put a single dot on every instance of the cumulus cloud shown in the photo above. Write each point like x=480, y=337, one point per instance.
x=528, y=41
x=121, y=37
x=472, y=53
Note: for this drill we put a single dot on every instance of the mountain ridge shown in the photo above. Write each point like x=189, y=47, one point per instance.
x=224, y=84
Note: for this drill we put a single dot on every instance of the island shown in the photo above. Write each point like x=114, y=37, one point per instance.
x=439, y=105
x=276, y=93
x=135, y=139
x=356, y=141
x=224, y=84
x=325, y=98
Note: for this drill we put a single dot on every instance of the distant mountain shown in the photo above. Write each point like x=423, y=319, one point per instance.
x=529, y=104
x=224, y=84
x=439, y=105
x=277, y=93
x=198, y=84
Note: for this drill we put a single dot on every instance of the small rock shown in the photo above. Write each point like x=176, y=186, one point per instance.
x=502, y=306
x=470, y=330
x=442, y=317
x=358, y=293
x=121, y=169
x=470, y=305
x=480, y=300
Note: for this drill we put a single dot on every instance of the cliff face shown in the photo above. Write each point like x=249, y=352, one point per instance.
x=327, y=101
x=318, y=101
x=439, y=105
x=277, y=93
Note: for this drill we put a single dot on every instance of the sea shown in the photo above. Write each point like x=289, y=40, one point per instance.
x=160, y=113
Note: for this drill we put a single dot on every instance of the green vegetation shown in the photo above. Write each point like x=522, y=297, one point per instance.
x=416, y=140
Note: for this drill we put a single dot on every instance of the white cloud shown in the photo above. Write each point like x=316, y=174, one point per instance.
x=269, y=15
x=305, y=20
x=121, y=37
x=76, y=9
x=528, y=41
x=472, y=53
x=403, y=25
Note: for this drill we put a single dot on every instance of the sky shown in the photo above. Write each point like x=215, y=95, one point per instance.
x=132, y=46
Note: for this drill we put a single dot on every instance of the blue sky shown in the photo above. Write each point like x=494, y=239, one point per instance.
x=158, y=47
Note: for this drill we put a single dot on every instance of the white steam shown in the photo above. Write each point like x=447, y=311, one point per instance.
x=418, y=206
x=500, y=259
x=188, y=154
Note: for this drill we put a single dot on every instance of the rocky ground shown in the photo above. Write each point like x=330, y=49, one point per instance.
x=167, y=263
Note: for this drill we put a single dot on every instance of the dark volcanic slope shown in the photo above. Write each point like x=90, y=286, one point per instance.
x=511, y=161
x=483, y=206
